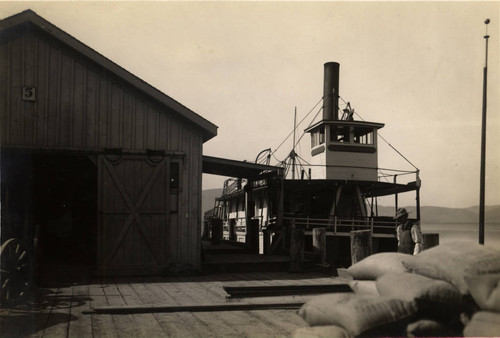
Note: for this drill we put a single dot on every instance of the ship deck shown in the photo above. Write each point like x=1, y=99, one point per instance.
x=56, y=311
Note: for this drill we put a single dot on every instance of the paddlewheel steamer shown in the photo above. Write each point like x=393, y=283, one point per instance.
x=336, y=191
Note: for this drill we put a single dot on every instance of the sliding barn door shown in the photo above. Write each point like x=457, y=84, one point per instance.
x=133, y=214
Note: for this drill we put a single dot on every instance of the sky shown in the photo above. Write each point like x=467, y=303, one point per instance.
x=417, y=67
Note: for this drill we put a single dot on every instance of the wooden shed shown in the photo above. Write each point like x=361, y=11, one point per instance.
x=98, y=166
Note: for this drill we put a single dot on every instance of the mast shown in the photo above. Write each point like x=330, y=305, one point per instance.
x=293, y=147
x=483, y=143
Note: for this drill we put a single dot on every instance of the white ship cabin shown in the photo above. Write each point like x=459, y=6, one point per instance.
x=344, y=150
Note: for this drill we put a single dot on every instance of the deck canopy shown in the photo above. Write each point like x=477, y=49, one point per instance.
x=240, y=169
x=368, y=188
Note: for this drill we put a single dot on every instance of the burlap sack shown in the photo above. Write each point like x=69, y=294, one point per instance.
x=410, y=286
x=453, y=261
x=321, y=331
x=430, y=328
x=378, y=264
x=435, y=299
x=355, y=313
x=483, y=324
x=364, y=287
x=485, y=289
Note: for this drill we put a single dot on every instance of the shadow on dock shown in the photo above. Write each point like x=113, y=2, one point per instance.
x=230, y=256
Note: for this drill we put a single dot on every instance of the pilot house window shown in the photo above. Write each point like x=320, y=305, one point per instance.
x=363, y=135
x=340, y=134
x=318, y=137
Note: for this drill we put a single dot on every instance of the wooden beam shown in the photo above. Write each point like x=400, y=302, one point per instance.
x=361, y=245
x=151, y=308
x=297, y=250
x=319, y=244
x=283, y=290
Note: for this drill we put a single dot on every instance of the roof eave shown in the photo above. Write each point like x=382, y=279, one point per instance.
x=209, y=130
x=344, y=122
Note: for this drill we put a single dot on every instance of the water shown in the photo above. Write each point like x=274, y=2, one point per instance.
x=450, y=232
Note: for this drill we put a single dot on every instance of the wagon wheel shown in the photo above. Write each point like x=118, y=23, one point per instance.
x=15, y=273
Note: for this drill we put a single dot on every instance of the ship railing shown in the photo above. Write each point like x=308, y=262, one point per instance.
x=387, y=175
x=231, y=185
x=259, y=183
x=343, y=225
x=399, y=176
x=239, y=227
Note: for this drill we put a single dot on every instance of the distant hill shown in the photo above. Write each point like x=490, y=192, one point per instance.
x=493, y=215
x=429, y=214
x=208, y=199
x=491, y=212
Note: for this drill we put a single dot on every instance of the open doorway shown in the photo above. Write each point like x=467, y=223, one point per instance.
x=65, y=203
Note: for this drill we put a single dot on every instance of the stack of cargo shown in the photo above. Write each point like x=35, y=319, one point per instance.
x=449, y=290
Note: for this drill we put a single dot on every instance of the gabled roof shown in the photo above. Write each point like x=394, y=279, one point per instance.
x=29, y=17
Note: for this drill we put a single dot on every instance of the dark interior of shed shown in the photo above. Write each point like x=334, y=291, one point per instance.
x=49, y=203
x=65, y=208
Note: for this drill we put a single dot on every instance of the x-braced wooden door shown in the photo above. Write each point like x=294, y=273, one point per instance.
x=133, y=214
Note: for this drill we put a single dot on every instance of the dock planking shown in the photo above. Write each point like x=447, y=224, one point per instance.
x=57, y=312
x=80, y=302
x=191, y=291
x=144, y=325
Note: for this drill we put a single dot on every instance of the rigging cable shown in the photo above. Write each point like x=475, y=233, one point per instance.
x=295, y=154
x=302, y=166
x=390, y=145
x=310, y=124
x=298, y=141
x=296, y=127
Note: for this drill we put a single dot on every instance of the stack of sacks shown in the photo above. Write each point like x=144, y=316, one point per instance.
x=475, y=271
x=439, y=303
x=424, y=295
x=351, y=315
x=364, y=312
x=485, y=289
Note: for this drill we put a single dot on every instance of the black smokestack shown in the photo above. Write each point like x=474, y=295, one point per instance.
x=331, y=91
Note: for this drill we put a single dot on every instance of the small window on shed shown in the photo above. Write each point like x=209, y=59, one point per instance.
x=174, y=175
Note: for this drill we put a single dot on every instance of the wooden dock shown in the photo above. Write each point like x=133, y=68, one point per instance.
x=57, y=311
x=235, y=257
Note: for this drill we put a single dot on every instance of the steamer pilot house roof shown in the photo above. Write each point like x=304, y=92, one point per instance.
x=29, y=19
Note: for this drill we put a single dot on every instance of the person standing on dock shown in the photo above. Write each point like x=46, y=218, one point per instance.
x=408, y=233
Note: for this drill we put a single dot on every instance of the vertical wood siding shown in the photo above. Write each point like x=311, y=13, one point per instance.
x=77, y=105
x=80, y=107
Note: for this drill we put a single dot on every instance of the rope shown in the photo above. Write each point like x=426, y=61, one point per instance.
x=302, y=166
x=277, y=160
x=390, y=145
x=303, y=160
